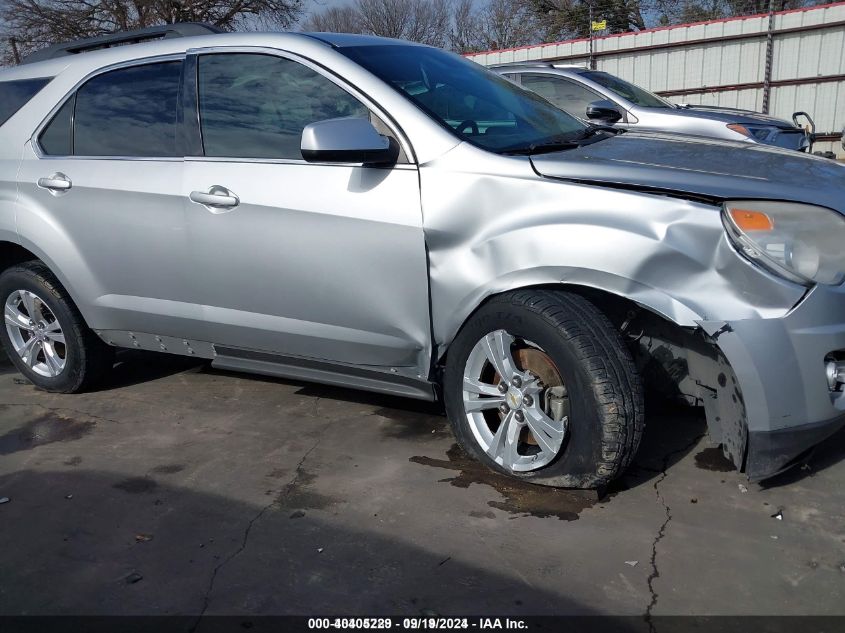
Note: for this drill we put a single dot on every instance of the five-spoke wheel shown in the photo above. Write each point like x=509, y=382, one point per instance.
x=45, y=335
x=35, y=333
x=540, y=385
x=515, y=402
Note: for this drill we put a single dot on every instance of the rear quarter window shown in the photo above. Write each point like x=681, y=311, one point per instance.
x=16, y=94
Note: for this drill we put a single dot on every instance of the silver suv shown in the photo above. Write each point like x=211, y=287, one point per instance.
x=600, y=97
x=388, y=216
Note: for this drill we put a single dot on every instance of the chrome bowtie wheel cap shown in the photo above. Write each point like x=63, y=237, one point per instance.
x=515, y=401
x=35, y=333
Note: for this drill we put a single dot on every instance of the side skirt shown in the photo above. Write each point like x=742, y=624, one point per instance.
x=322, y=372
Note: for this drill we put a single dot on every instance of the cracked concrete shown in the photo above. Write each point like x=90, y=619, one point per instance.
x=246, y=495
x=661, y=533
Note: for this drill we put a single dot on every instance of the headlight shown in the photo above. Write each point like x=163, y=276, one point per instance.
x=800, y=242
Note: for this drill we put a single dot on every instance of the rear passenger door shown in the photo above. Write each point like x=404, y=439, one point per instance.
x=106, y=170
x=321, y=261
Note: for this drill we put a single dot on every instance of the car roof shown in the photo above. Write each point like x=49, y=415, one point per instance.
x=51, y=66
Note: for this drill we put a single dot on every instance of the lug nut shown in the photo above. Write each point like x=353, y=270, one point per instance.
x=502, y=387
x=520, y=416
x=504, y=408
x=528, y=401
x=517, y=381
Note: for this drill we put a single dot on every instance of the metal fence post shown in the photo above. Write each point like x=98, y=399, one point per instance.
x=770, y=40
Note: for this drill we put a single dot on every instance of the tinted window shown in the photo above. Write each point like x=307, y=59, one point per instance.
x=15, y=94
x=256, y=106
x=128, y=112
x=471, y=101
x=566, y=95
x=56, y=139
x=629, y=91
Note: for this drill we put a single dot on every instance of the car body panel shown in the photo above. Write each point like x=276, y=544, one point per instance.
x=706, y=167
x=321, y=261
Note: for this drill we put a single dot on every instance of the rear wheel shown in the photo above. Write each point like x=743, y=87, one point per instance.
x=539, y=385
x=45, y=335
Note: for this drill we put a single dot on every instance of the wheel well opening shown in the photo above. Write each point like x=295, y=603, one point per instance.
x=12, y=254
x=676, y=363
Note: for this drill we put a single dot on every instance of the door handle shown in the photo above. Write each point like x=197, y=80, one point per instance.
x=57, y=183
x=216, y=197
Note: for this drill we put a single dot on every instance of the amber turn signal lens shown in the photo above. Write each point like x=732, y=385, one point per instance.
x=736, y=127
x=746, y=220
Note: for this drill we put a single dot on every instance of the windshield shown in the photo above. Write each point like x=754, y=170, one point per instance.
x=473, y=102
x=632, y=93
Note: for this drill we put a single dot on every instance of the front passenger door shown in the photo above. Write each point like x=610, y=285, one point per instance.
x=322, y=261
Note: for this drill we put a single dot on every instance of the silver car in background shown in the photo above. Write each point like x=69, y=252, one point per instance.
x=389, y=216
x=603, y=98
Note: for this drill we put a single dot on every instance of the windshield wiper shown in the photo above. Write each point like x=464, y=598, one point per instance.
x=558, y=144
x=541, y=148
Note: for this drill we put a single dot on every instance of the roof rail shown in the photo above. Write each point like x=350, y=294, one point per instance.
x=522, y=64
x=163, y=31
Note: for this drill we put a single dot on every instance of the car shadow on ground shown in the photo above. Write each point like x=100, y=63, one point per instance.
x=166, y=549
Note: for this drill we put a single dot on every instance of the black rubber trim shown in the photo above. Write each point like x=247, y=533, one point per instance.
x=772, y=452
x=307, y=363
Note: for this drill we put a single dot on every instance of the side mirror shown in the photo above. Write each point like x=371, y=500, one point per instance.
x=347, y=140
x=604, y=110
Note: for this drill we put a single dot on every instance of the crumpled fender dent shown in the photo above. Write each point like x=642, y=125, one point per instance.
x=492, y=224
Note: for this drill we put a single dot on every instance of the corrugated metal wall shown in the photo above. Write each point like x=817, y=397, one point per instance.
x=724, y=62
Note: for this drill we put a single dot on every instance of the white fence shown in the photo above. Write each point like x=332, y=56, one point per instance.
x=723, y=63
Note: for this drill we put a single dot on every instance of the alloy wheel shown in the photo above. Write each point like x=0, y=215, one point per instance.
x=35, y=333
x=516, y=402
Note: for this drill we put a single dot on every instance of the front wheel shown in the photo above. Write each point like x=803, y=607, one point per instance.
x=44, y=334
x=539, y=385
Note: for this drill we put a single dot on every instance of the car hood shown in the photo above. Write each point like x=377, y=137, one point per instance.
x=700, y=167
x=729, y=115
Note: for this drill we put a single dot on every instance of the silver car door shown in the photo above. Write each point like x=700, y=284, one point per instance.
x=104, y=174
x=319, y=261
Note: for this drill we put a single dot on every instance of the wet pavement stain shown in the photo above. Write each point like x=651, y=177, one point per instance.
x=299, y=495
x=520, y=498
x=45, y=429
x=136, y=485
x=408, y=425
x=713, y=459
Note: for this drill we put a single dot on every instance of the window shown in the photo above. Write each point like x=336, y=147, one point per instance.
x=16, y=94
x=126, y=112
x=256, y=106
x=629, y=91
x=472, y=102
x=565, y=94
x=56, y=139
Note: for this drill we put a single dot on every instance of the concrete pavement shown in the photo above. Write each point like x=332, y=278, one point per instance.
x=177, y=489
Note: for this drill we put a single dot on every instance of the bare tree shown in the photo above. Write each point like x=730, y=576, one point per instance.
x=334, y=20
x=37, y=23
x=425, y=21
x=465, y=35
x=507, y=23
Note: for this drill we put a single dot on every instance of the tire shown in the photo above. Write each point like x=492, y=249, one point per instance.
x=74, y=365
x=599, y=415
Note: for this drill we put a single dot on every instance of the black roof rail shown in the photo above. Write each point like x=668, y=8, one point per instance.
x=530, y=63
x=162, y=31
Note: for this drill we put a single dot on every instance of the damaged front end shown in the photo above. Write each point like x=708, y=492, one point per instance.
x=736, y=313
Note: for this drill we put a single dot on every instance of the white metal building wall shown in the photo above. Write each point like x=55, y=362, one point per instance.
x=723, y=63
